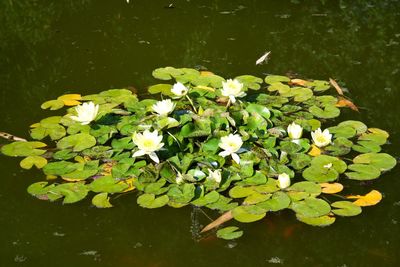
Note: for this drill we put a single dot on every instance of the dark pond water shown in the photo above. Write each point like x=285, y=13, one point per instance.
x=48, y=48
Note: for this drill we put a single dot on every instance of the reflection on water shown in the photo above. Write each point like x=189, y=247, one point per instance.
x=48, y=48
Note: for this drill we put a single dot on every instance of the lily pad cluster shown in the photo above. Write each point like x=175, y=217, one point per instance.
x=244, y=147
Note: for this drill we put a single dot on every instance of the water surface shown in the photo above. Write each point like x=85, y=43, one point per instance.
x=48, y=48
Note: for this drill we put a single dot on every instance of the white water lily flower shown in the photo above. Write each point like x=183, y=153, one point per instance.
x=231, y=144
x=214, y=175
x=148, y=142
x=320, y=138
x=295, y=131
x=164, y=107
x=283, y=180
x=232, y=89
x=179, y=89
x=87, y=112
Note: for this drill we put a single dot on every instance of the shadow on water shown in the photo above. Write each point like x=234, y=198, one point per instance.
x=48, y=48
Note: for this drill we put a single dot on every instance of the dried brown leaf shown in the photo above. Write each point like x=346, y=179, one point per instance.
x=227, y=216
x=336, y=86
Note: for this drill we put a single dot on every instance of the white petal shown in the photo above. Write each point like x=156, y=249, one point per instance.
x=236, y=158
x=138, y=153
x=154, y=157
x=224, y=153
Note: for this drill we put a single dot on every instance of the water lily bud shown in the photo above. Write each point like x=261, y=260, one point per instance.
x=283, y=180
x=320, y=138
x=295, y=131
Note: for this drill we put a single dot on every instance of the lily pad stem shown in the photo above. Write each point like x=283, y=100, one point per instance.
x=191, y=103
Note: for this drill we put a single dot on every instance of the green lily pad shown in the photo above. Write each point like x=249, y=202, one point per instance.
x=278, y=201
x=229, y=233
x=23, y=149
x=107, y=184
x=162, y=88
x=150, y=201
x=59, y=168
x=319, y=86
x=223, y=204
x=299, y=161
x=257, y=179
x=211, y=146
x=209, y=198
x=340, y=146
x=329, y=112
x=182, y=194
x=72, y=192
x=53, y=104
x=39, y=188
x=270, y=186
x=260, y=109
x=101, y=201
x=345, y=131
x=80, y=174
x=290, y=147
x=48, y=127
x=324, y=169
x=316, y=221
x=363, y=172
x=346, y=208
x=250, y=81
x=247, y=214
x=270, y=79
x=359, y=126
x=123, y=143
x=256, y=198
x=311, y=188
x=64, y=154
x=156, y=187
x=241, y=191
x=380, y=138
x=366, y=147
x=311, y=207
x=29, y=161
x=301, y=94
x=382, y=161
x=77, y=142
x=166, y=73
x=283, y=89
